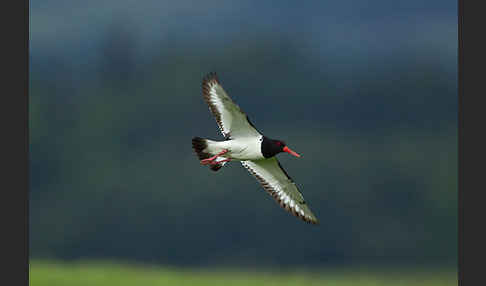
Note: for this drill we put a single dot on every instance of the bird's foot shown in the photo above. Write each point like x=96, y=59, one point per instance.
x=219, y=154
x=210, y=161
x=213, y=162
x=206, y=161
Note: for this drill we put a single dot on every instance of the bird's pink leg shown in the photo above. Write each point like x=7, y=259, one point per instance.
x=217, y=155
x=211, y=159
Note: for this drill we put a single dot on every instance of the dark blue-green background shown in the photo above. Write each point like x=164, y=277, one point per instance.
x=366, y=91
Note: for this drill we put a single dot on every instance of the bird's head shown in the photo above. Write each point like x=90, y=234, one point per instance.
x=271, y=147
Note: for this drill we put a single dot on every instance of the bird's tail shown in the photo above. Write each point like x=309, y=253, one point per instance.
x=200, y=146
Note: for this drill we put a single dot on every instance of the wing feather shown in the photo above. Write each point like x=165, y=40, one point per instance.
x=232, y=121
x=281, y=187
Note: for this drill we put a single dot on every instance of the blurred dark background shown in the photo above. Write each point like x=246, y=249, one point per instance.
x=366, y=91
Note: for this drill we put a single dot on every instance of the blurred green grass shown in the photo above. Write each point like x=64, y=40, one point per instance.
x=93, y=273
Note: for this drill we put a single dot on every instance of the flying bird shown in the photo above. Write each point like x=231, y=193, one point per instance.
x=244, y=143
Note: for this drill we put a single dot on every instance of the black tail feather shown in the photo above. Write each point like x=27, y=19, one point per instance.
x=199, y=144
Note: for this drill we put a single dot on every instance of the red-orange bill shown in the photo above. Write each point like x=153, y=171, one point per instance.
x=287, y=149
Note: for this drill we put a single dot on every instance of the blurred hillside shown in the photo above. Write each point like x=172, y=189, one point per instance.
x=367, y=94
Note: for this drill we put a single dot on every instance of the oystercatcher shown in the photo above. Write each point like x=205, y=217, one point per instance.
x=255, y=151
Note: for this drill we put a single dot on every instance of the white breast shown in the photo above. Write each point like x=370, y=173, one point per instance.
x=244, y=148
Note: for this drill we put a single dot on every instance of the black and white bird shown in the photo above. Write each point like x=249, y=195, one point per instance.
x=255, y=151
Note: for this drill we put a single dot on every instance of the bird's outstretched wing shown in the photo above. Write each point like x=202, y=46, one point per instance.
x=232, y=121
x=280, y=186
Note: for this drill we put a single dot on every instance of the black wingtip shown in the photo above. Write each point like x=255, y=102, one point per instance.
x=210, y=76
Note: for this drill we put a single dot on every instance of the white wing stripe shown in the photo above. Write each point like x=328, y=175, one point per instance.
x=275, y=182
x=231, y=120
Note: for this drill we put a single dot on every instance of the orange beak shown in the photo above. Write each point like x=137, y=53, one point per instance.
x=287, y=149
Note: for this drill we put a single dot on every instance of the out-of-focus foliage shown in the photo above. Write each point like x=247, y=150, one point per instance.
x=96, y=273
x=113, y=174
